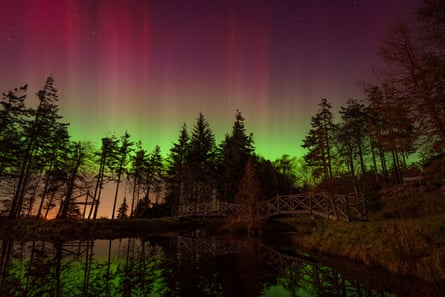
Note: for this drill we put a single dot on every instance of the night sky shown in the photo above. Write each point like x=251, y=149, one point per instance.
x=149, y=66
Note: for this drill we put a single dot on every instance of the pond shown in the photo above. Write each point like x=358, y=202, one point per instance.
x=182, y=266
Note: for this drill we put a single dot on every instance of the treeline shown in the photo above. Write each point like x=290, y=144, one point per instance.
x=402, y=116
x=43, y=171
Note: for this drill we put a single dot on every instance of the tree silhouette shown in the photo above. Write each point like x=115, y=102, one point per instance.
x=153, y=174
x=137, y=171
x=201, y=161
x=415, y=76
x=106, y=162
x=176, y=171
x=38, y=133
x=319, y=141
x=76, y=159
x=235, y=151
x=122, y=211
x=13, y=114
x=351, y=136
x=122, y=157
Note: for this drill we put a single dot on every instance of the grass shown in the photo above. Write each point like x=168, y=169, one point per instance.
x=407, y=236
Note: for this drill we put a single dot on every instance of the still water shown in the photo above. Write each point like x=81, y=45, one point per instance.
x=180, y=266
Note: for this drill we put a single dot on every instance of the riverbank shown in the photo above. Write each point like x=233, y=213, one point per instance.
x=406, y=236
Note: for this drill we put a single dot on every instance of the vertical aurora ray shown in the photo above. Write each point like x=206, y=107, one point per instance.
x=149, y=66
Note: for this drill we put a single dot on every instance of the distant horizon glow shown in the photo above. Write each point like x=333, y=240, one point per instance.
x=148, y=67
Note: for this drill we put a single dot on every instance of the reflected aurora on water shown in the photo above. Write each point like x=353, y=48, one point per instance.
x=168, y=266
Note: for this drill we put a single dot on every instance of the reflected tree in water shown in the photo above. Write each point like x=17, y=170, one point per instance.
x=173, y=267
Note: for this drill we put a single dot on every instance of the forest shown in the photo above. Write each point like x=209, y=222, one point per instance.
x=397, y=130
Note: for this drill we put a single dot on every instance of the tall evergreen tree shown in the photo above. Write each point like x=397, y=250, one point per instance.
x=154, y=172
x=137, y=171
x=235, y=150
x=351, y=137
x=201, y=161
x=107, y=160
x=319, y=141
x=37, y=134
x=13, y=114
x=76, y=159
x=121, y=157
x=390, y=125
x=55, y=160
x=152, y=178
x=176, y=172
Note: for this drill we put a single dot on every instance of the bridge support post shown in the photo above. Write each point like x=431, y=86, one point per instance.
x=334, y=208
x=348, y=208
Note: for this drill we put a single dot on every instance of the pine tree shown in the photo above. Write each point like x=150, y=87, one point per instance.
x=201, y=162
x=123, y=209
x=38, y=133
x=122, y=157
x=153, y=172
x=176, y=172
x=352, y=135
x=137, y=171
x=13, y=114
x=390, y=126
x=319, y=141
x=76, y=159
x=107, y=162
x=235, y=150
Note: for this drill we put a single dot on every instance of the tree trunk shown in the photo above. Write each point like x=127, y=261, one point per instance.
x=71, y=184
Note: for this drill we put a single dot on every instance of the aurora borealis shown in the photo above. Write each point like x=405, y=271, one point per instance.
x=149, y=66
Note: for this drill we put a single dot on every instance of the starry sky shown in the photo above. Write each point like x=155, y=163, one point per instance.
x=150, y=66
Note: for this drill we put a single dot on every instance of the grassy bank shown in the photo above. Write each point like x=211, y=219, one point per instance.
x=407, y=235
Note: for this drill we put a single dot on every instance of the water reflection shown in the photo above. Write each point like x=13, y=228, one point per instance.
x=172, y=266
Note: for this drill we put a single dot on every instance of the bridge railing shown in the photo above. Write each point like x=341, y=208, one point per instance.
x=207, y=209
x=328, y=205
x=333, y=206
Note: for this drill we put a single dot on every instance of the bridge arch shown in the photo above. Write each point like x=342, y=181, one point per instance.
x=323, y=204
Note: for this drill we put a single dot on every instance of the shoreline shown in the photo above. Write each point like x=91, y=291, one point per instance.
x=410, y=247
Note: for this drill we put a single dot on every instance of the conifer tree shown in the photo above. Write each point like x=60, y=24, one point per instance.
x=176, y=171
x=13, y=114
x=153, y=173
x=76, y=159
x=107, y=159
x=319, y=141
x=123, y=209
x=201, y=161
x=137, y=171
x=121, y=160
x=38, y=132
x=351, y=137
x=235, y=150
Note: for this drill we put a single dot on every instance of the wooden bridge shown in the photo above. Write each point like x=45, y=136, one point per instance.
x=332, y=206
